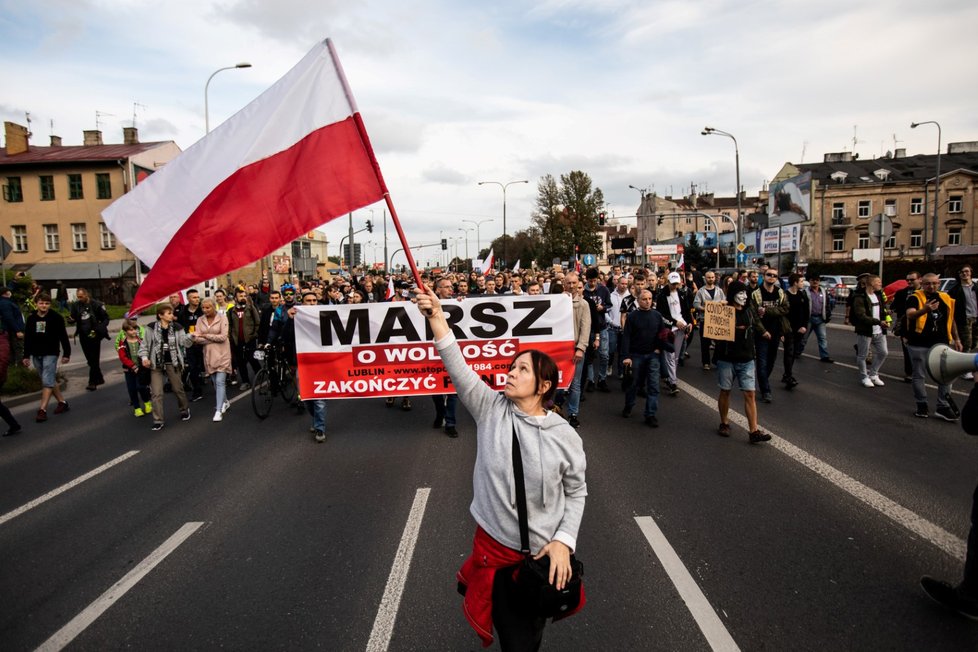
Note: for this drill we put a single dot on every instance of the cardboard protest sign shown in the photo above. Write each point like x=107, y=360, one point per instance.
x=719, y=321
x=385, y=349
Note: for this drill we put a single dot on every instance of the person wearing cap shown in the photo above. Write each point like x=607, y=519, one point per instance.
x=675, y=309
x=735, y=360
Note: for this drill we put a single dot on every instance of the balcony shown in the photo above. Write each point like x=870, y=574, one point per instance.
x=305, y=266
x=840, y=223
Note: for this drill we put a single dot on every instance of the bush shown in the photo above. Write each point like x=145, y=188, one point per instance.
x=21, y=380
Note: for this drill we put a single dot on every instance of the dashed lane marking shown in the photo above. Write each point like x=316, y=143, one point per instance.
x=65, y=487
x=941, y=538
x=703, y=613
x=79, y=623
x=383, y=629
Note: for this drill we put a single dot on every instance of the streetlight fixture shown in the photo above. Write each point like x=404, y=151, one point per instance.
x=710, y=131
x=207, y=121
x=478, y=238
x=932, y=250
x=503, y=186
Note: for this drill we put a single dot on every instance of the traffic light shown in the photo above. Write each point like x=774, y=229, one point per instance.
x=370, y=227
x=444, y=244
x=602, y=218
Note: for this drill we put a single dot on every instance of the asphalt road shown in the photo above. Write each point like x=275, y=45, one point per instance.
x=815, y=541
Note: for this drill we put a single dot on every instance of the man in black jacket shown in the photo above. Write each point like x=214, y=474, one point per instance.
x=899, y=309
x=187, y=316
x=91, y=327
x=642, y=339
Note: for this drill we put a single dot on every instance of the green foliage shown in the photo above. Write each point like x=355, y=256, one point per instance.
x=21, y=380
x=566, y=214
x=693, y=251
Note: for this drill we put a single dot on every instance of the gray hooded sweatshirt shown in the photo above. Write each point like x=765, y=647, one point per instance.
x=553, y=463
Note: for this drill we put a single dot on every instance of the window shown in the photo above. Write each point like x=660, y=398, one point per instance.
x=891, y=242
x=19, y=233
x=954, y=236
x=917, y=238
x=103, y=185
x=954, y=204
x=689, y=220
x=917, y=206
x=75, y=187
x=865, y=207
x=79, y=237
x=52, y=242
x=838, y=242
x=106, y=236
x=707, y=227
x=887, y=204
x=13, y=192
x=47, y=188
x=838, y=210
x=862, y=241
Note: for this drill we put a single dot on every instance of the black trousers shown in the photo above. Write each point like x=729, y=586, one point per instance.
x=515, y=631
x=90, y=346
x=195, y=370
x=244, y=356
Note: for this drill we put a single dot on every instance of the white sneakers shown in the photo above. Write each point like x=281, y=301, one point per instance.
x=218, y=416
x=224, y=408
x=867, y=382
x=872, y=381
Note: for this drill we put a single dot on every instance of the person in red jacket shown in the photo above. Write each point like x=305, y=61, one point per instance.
x=128, y=349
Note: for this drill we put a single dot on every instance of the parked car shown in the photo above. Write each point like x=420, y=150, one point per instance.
x=838, y=287
x=946, y=283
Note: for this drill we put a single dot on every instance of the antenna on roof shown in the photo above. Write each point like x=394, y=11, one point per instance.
x=134, y=105
x=27, y=115
x=855, y=139
x=804, y=148
x=98, y=118
x=895, y=141
x=52, y=127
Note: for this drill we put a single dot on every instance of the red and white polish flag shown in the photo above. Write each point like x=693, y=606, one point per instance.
x=293, y=159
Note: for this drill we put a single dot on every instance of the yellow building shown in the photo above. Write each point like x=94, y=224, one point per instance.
x=53, y=197
x=846, y=193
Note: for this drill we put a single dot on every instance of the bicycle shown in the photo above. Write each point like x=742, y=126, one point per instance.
x=274, y=377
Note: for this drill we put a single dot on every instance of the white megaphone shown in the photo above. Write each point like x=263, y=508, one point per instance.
x=944, y=364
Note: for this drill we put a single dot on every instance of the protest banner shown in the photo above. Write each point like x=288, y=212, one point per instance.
x=720, y=321
x=385, y=349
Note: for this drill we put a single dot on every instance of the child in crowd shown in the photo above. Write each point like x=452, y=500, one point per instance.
x=127, y=344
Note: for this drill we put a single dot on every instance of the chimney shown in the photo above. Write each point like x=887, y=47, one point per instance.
x=838, y=157
x=900, y=152
x=91, y=137
x=55, y=141
x=962, y=148
x=16, y=138
x=130, y=136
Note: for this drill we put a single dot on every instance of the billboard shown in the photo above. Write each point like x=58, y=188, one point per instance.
x=790, y=201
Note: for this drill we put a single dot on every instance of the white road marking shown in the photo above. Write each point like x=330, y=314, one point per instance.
x=380, y=636
x=703, y=613
x=927, y=384
x=944, y=540
x=65, y=487
x=79, y=623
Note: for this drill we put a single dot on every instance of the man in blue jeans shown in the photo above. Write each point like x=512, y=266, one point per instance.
x=640, y=345
x=574, y=287
x=821, y=308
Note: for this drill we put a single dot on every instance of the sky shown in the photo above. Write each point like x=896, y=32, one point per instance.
x=457, y=92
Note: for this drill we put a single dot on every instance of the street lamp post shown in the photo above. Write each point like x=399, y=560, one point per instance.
x=641, y=222
x=466, y=232
x=710, y=131
x=207, y=119
x=503, y=186
x=932, y=250
x=478, y=238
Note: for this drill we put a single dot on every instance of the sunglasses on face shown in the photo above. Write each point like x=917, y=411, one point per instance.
x=771, y=275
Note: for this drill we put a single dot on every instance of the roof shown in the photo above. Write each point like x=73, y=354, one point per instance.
x=957, y=250
x=79, y=271
x=76, y=153
x=917, y=168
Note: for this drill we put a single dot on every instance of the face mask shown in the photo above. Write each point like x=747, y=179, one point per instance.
x=740, y=298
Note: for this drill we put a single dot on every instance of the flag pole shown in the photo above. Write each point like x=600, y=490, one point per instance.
x=365, y=140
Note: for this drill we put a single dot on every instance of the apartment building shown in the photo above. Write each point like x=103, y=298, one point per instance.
x=53, y=197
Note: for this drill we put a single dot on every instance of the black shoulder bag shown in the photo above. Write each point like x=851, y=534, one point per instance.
x=533, y=588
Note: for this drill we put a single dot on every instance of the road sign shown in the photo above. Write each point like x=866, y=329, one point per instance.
x=741, y=247
x=880, y=224
x=589, y=259
x=741, y=258
x=5, y=248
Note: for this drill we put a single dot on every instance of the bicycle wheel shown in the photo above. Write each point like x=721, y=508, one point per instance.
x=261, y=394
x=286, y=386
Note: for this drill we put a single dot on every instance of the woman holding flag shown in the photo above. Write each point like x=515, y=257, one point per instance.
x=553, y=466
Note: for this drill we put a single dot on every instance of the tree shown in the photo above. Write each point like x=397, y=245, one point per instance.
x=566, y=215
x=522, y=246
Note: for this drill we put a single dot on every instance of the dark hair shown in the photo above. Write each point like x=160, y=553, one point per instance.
x=811, y=276
x=591, y=273
x=545, y=369
x=162, y=308
x=43, y=296
x=191, y=291
x=793, y=278
x=733, y=289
